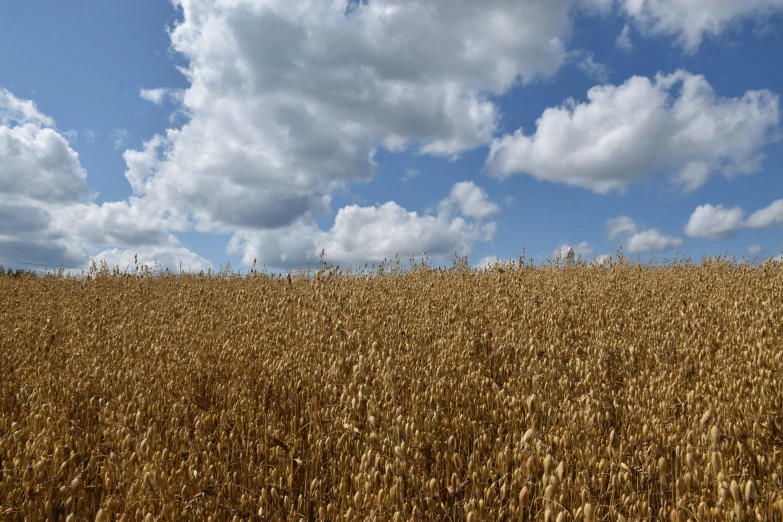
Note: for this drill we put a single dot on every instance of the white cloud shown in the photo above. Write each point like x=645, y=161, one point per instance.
x=46, y=211
x=652, y=241
x=90, y=136
x=365, y=234
x=29, y=234
x=690, y=21
x=155, y=258
x=486, y=262
x=121, y=223
x=39, y=175
x=624, y=133
x=592, y=69
x=771, y=215
x=157, y=96
x=374, y=233
x=14, y=110
x=714, y=222
x=620, y=226
x=649, y=240
x=362, y=234
x=472, y=200
x=141, y=165
x=692, y=176
x=755, y=250
x=288, y=101
x=39, y=163
x=489, y=262
x=623, y=41
x=153, y=95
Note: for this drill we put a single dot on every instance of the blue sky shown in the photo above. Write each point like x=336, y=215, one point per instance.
x=206, y=132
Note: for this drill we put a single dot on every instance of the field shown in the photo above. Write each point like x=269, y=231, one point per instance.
x=546, y=393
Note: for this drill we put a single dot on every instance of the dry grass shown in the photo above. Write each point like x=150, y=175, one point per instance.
x=536, y=393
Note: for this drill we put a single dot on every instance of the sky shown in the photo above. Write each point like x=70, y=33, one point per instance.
x=194, y=134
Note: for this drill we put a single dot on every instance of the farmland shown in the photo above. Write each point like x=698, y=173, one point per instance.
x=548, y=393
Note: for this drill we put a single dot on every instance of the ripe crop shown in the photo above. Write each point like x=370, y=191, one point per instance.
x=553, y=393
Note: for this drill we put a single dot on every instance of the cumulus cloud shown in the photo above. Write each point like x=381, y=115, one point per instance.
x=17, y=111
x=716, y=222
x=157, y=95
x=486, y=262
x=652, y=241
x=29, y=233
x=119, y=223
x=770, y=216
x=37, y=161
x=635, y=240
x=367, y=234
x=673, y=123
x=153, y=95
x=690, y=21
x=472, y=201
x=40, y=175
x=755, y=250
x=285, y=108
x=47, y=215
x=621, y=226
x=154, y=258
x=40, y=164
x=375, y=233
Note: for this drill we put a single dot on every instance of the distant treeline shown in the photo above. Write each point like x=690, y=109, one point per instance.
x=19, y=272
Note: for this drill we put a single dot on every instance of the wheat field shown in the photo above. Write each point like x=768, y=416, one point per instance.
x=554, y=393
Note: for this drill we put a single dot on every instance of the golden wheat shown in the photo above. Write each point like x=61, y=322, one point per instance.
x=518, y=393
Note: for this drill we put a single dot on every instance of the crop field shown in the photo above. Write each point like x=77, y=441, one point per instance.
x=554, y=393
